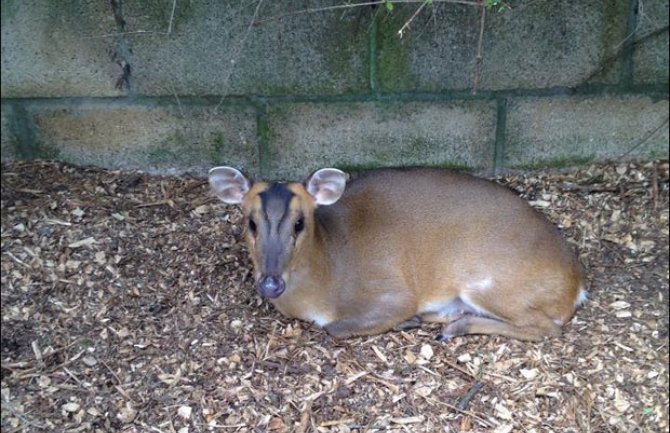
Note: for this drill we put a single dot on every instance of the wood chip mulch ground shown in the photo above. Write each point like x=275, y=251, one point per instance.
x=128, y=305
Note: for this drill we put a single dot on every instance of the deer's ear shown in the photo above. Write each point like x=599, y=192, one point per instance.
x=229, y=184
x=326, y=186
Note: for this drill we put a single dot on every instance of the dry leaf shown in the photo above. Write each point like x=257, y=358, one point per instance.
x=504, y=428
x=426, y=351
x=84, y=242
x=127, y=414
x=71, y=407
x=502, y=412
x=530, y=373
x=184, y=412
x=408, y=420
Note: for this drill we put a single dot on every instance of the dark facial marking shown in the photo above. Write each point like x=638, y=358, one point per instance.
x=275, y=202
x=275, y=208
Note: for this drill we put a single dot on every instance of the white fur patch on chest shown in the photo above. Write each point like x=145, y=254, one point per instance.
x=452, y=307
x=582, y=297
x=444, y=308
x=480, y=285
x=316, y=318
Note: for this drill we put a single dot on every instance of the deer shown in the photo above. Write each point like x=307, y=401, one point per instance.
x=393, y=248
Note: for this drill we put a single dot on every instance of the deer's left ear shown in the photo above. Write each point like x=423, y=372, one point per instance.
x=326, y=186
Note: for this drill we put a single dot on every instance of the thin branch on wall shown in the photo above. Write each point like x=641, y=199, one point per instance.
x=645, y=138
x=174, y=6
x=355, y=5
x=409, y=21
x=236, y=52
x=607, y=62
x=478, y=59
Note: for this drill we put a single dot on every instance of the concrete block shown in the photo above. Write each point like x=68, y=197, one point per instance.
x=213, y=48
x=52, y=49
x=73, y=48
x=569, y=131
x=158, y=139
x=651, y=55
x=304, y=137
x=549, y=43
x=535, y=45
x=437, y=52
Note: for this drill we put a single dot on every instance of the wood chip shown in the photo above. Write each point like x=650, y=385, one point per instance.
x=128, y=304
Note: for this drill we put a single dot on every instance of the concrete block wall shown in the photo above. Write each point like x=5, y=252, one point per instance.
x=282, y=88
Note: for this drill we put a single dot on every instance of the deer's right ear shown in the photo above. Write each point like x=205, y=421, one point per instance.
x=326, y=186
x=229, y=184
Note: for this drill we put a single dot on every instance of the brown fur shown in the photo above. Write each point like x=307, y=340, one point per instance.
x=399, y=241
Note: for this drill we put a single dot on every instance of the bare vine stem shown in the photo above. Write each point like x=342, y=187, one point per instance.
x=237, y=52
x=174, y=6
x=409, y=21
x=355, y=5
x=645, y=138
x=478, y=59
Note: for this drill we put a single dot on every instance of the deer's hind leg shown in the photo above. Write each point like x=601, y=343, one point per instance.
x=541, y=326
x=495, y=318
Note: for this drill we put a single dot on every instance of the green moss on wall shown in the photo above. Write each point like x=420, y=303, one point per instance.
x=611, y=36
x=175, y=150
x=347, y=48
x=263, y=134
x=159, y=155
x=393, y=65
x=359, y=168
x=159, y=12
x=562, y=162
x=217, y=147
x=25, y=140
x=8, y=10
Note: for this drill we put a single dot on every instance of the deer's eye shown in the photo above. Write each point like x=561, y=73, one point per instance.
x=252, y=226
x=299, y=225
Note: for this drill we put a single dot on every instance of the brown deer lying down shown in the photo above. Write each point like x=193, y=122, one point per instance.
x=397, y=246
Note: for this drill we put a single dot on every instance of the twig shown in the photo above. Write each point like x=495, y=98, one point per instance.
x=17, y=260
x=355, y=5
x=640, y=12
x=465, y=400
x=111, y=371
x=167, y=202
x=619, y=51
x=72, y=375
x=26, y=374
x=36, y=192
x=478, y=59
x=337, y=422
x=236, y=53
x=408, y=22
x=589, y=189
x=21, y=416
x=174, y=6
x=392, y=387
x=313, y=10
x=304, y=417
x=654, y=187
x=645, y=138
x=174, y=92
x=195, y=185
x=463, y=411
x=136, y=32
x=24, y=364
x=462, y=370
